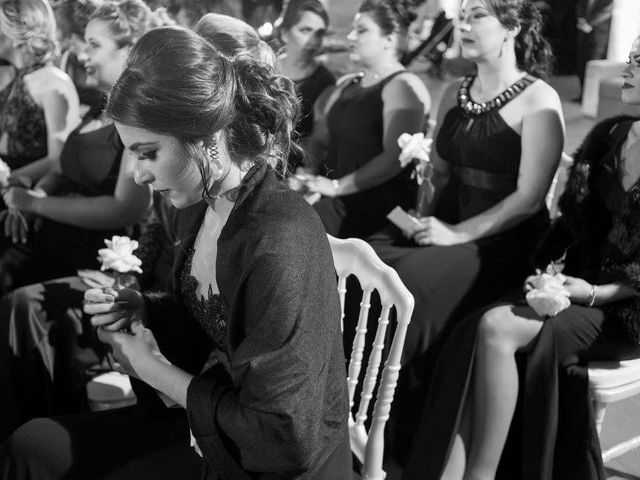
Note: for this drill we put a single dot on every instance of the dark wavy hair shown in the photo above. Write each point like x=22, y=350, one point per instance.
x=533, y=52
x=392, y=16
x=177, y=83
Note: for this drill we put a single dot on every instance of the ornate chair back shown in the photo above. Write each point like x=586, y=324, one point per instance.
x=356, y=257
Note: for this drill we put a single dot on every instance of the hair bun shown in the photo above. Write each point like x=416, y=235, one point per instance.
x=405, y=11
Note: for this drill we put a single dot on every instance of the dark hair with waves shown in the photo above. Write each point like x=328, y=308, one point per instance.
x=392, y=16
x=176, y=83
x=533, y=52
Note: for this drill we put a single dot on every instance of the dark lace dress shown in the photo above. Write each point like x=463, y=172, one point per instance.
x=209, y=312
x=448, y=281
x=355, y=124
x=22, y=121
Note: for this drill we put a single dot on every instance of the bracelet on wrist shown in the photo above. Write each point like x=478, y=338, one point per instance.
x=336, y=185
x=592, y=297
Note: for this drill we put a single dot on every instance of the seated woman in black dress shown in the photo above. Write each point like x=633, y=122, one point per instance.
x=497, y=145
x=354, y=140
x=301, y=29
x=477, y=381
x=253, y=281
x=90, y=193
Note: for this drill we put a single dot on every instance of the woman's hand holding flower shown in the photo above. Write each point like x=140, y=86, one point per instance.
x=322, y=185
x=114, y=310
x=547, y=293
x=136, y=352
x=437, y=232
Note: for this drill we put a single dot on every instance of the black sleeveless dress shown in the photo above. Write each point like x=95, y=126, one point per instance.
x=90, y=163
x=356, y=128
x=448, y=281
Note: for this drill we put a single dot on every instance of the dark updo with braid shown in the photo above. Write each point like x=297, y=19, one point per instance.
x=533, y=52
x=176, y=83
x=392, y=16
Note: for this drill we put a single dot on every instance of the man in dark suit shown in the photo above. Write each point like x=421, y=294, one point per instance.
x=594, y=23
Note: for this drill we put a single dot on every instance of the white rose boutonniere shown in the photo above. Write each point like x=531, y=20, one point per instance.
x=5, y=173
x=119, y=257
x=548, y=297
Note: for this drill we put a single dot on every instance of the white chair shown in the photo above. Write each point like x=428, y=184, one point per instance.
x=356, y=257
x=610, y=382
x=557, y=185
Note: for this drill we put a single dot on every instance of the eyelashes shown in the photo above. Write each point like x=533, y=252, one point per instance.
x=150, y=155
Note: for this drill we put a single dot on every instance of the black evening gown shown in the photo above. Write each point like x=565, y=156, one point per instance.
x=355, y=124
x=483, y=152
x=553, y=434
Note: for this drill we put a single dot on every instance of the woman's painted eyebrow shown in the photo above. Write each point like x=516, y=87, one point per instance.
x=139, y=145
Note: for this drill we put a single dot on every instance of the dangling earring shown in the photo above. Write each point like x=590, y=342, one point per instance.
x=214, y=154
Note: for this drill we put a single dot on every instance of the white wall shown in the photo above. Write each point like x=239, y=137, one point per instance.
x=625, y=27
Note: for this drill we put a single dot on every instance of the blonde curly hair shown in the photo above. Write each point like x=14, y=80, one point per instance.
x=31, y=25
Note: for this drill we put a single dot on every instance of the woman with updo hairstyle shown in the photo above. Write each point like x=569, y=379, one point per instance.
x=72, y=17
x=301, y=29
x=498, y=140
x=59, y=219
x=353, y=148
x=253, y=285
x=39, y=105
x=233, y=37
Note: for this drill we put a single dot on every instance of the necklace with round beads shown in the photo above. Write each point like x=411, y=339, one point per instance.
x=478, y=108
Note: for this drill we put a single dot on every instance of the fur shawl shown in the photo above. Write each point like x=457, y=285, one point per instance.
x=601, y=248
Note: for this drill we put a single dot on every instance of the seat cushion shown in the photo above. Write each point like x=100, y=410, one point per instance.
x=604, y=375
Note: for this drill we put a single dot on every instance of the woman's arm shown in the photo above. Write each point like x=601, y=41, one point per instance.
x=582, y=292
x=406, y=103
x=125, y=207
x=542, y=141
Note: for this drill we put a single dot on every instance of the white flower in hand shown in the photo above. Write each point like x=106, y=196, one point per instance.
x=414, y=146
x=548, y=297
x=5, y=173
x=118, y=256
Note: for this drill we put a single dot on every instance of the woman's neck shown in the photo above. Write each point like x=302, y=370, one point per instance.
x=492, y=79
x=375, y=72
x=296, y=67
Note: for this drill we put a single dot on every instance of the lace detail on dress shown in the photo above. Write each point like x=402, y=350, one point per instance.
x=475, y=108
x=22, y=120
x=209, y=312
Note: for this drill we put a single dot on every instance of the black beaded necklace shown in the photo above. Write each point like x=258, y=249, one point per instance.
x=475, y=108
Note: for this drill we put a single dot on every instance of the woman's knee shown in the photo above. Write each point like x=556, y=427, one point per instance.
x=496, y=329
x=40, y=448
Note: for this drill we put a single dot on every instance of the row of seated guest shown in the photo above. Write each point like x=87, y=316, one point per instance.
x=55, y=306
x=485, y=417
x=89, y=192
x=354, y=140
x=38, y=104
x=278, y=407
